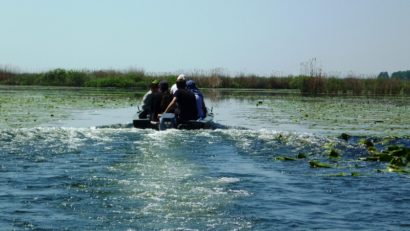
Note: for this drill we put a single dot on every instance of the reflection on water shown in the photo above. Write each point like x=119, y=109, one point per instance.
x=68, y=175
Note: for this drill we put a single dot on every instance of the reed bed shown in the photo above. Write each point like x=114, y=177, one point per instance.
x=308, y=85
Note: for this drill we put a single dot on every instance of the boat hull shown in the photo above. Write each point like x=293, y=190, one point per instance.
x=206, y=123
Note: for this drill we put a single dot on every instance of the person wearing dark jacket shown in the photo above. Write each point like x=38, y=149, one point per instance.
x=185, y=103
x=166, y=95
x=161, y=100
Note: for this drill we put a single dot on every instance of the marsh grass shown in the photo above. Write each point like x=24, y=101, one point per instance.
x=306, y=84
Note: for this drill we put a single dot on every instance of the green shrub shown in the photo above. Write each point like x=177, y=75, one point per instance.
x=56, y=77
x=111, y=82
x=76, y=78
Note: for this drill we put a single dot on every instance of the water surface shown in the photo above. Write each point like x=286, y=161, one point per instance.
x=87, y=170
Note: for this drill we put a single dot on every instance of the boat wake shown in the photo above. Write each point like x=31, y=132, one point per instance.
x=129, y=125
x=212, y=126
x=224, y=178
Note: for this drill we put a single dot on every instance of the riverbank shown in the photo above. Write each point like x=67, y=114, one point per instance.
x=136, y=79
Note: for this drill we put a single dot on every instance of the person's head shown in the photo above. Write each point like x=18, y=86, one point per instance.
x=163, y=86
x=154, y=86
x=190, y=84
x=181, y=83
x=181, y=77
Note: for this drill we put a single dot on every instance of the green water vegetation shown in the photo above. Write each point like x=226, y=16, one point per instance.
x=288, y=158
x=398, y=157
x=344, y=136
x=285, y=158
x=356, y=115
x=301, y=155
x=311, y=83
x=334, y=154
x=317, y=164
x=343, y=174
x=32, y=106
x=337, y=158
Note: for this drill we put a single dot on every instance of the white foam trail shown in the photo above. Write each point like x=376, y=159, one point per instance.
x=228, y=180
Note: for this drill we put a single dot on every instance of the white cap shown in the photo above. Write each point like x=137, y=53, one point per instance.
x=181, y=77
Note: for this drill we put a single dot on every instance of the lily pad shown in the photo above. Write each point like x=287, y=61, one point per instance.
x=344, y=136
x=301, y=156
x=334, y=154
x=285, y=158
x=355, y=174
x=317, y=164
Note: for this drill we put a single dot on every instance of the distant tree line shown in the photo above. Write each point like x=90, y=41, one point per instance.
x=313, y=83
x=404, y=75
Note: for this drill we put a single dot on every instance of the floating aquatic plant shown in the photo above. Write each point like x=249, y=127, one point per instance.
x=32, y=106
x=301, y=156
x=288, y=158
x=392, y=168
x=397, y=156
x=338, y=174
x=343, y=174
x=344, y=136
x=285, y=158
x=334, y=154
x=317, y=164
x=367, y=142
x=355, y=174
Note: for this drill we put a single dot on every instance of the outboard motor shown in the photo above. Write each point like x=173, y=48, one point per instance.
x=167, y=121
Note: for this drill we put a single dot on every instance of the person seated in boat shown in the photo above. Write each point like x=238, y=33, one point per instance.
x=161, y=100
x=185, y=103
x=174, y=86
x=199, y=97
x=166, y=95
x=147, y=101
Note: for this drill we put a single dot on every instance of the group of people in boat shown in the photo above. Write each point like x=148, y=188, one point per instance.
x=183, y=99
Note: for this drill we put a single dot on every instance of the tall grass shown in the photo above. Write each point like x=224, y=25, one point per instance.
x=315, y=84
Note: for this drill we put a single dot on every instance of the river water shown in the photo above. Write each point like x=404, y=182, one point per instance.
x=91, y=171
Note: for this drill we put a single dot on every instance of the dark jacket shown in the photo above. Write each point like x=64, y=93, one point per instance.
x=186, y=105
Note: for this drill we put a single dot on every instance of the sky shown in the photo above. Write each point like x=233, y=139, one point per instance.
x=263, y=37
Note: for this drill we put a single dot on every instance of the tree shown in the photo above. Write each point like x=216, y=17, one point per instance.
x=405, y=75
x=383, y=75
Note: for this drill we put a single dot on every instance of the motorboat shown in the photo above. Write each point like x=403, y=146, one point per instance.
x=169, y=122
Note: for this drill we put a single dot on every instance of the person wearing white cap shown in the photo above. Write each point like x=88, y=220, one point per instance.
x=174, y=86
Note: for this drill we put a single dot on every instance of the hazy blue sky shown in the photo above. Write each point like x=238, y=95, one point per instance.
x=251, y=36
